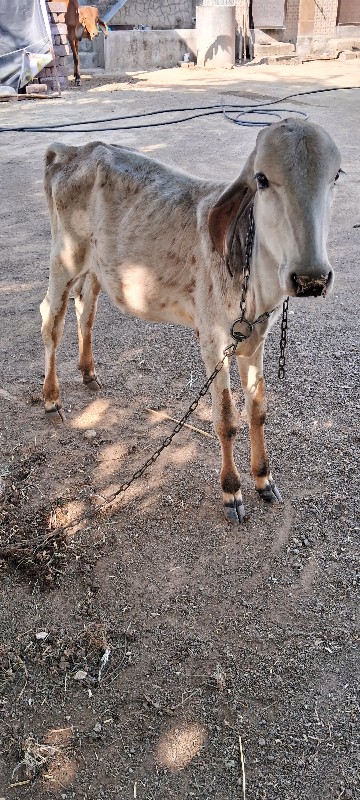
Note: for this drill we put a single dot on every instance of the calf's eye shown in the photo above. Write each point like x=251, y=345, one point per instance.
x=261, y=180
x=337, y=176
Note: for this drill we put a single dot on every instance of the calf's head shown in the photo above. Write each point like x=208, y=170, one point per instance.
x=291, y=176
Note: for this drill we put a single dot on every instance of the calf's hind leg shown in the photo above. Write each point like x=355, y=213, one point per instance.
x=86, y=292
x=53, y=309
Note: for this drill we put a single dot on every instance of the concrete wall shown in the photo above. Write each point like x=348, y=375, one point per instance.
x=142, y=50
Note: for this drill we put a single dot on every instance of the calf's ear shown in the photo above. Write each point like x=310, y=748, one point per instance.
x=226, y=212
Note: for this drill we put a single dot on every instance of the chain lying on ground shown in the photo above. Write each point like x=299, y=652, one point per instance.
x=229, y=351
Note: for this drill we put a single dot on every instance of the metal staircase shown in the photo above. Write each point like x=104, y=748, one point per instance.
x=113, y=10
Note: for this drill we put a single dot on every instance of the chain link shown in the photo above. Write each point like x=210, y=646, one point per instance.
x=284, y=324
x=249, y=241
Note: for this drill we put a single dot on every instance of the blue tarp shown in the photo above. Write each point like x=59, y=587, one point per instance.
x=23, y=26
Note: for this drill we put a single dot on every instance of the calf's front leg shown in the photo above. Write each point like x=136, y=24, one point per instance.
x=225, y=420
x=253, y=384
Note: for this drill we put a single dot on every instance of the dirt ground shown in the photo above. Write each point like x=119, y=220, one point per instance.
x=157, y=652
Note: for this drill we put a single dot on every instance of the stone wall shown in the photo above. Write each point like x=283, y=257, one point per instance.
x=165, y=13
x=56, y=13
x=158, y=14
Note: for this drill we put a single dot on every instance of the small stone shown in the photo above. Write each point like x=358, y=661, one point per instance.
x=80, y=675
x=230, y=764
x=41, y=635
x=90, y=434
x=262, y=742
x=97, y=728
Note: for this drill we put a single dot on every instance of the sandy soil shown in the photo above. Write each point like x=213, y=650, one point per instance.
x=158, y=652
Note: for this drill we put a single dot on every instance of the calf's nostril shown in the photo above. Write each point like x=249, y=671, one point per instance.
x=309, y=286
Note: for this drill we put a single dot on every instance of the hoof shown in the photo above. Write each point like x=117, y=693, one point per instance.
x=270, y=493
x=234, y=512
x=91, y=382
x=54, y=411
x=77, y=82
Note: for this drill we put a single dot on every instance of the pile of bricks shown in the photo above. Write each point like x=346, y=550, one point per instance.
x=56, y=13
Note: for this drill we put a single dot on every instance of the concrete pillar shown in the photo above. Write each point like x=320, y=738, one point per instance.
x=306, y=18
x=215, y=28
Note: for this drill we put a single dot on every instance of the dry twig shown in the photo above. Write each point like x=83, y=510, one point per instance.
x=242, y=761
x=164, y=416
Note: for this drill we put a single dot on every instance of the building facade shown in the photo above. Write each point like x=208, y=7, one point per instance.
x=309, y=25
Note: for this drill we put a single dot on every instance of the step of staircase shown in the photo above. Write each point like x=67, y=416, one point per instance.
x=273, y=49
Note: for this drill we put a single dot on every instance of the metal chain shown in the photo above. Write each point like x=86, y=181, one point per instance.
x=228, y=352
x=284, y=324
x=249, y=242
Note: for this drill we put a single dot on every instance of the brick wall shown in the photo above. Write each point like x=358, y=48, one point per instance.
x=325, y=18
x=56, y=13
x=310, y=18
x=291, y=20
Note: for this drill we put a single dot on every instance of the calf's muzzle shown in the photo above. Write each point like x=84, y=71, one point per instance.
x=310, y=284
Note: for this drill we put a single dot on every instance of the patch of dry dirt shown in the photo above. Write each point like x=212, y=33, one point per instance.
x=146, y=653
